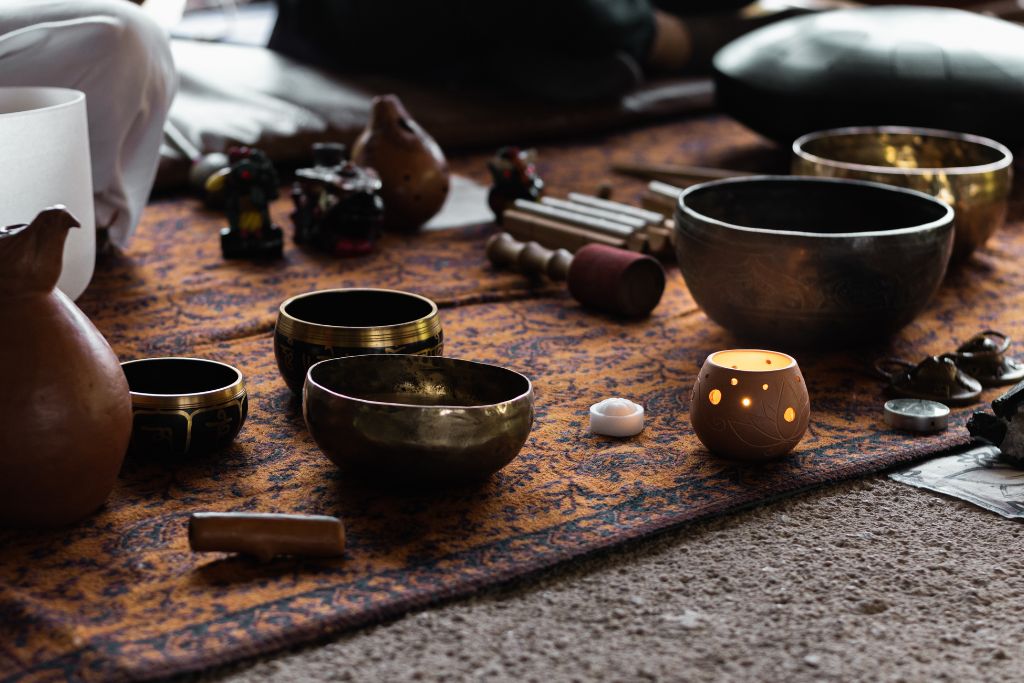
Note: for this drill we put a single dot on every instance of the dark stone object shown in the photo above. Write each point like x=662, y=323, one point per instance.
x=914, y=66
x=1006, y=405
x=936, y=378
x=987, y=427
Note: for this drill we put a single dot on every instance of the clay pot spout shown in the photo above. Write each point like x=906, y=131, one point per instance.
x=34, y=253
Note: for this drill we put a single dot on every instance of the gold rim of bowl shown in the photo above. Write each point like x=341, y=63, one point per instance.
x=801, y=142
x=395, y=357
x=376, y=336
x=200, y=399
x=790, y=361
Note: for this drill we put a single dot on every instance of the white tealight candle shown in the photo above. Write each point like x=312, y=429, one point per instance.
x=616, y=417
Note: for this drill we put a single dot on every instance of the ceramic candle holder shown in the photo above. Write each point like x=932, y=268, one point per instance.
x=334, y=323
x=749, y=404
x=184, y=407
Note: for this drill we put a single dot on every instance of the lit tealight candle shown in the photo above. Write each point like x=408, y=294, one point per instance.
x=616, y=417
x=749, y=404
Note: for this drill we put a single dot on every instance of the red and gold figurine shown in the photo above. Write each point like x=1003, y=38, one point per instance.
x=515, y=177
x=338, y=208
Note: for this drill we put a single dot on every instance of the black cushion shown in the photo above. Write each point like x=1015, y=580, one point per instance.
x=915, y=66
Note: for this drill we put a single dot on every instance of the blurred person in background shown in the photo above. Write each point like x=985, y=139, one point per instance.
x=559, y=50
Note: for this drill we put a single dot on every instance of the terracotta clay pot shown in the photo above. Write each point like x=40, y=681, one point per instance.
x=411, y=165
x=65, y=409
x=749, y=405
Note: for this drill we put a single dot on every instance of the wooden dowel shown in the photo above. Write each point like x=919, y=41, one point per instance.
x=638, y=242
x=613, y=228
x=632, y=222
x=661, y=197
x=618, y=207
x=552, y=233
x=266, y=535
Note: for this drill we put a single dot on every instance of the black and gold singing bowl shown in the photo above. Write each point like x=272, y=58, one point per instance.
x=417, y=419
x=971, y=173
x=334, y=323
x=184, y=407
x=802, y=262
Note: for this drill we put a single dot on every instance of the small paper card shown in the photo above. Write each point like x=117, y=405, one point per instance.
x=978, y=475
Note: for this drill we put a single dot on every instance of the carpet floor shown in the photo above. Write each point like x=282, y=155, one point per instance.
x=865, y=581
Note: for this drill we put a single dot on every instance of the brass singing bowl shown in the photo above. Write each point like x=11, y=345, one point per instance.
x=184, y=407
x=422, y=419
x=971, y=173
x=806, y=262
x=329, y=323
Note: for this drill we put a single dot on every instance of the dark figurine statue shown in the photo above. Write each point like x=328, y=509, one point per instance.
x=338, y=208
x=248, y=186
x=515, y=177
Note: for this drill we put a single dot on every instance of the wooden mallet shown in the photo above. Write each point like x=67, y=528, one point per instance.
x=599, y=276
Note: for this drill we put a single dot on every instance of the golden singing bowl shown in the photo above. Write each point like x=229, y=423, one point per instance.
x=421, y=419
x=971, y=173
x=330, y=323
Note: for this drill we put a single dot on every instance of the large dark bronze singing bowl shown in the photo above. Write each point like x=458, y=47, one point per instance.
x=802, y=262
x=417, y=418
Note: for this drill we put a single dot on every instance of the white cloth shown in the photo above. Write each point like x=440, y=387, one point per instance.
x=113, y=52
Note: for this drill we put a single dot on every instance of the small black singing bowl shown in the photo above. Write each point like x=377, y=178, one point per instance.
x=418, y=419
x=334, y=323
x=184, y=407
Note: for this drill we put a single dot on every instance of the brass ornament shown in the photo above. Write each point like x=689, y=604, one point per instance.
x=983, y=356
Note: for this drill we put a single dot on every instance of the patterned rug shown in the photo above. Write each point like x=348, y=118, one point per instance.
x=121, y=597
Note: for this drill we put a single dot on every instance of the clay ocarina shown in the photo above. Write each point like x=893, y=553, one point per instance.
x=411, y=165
